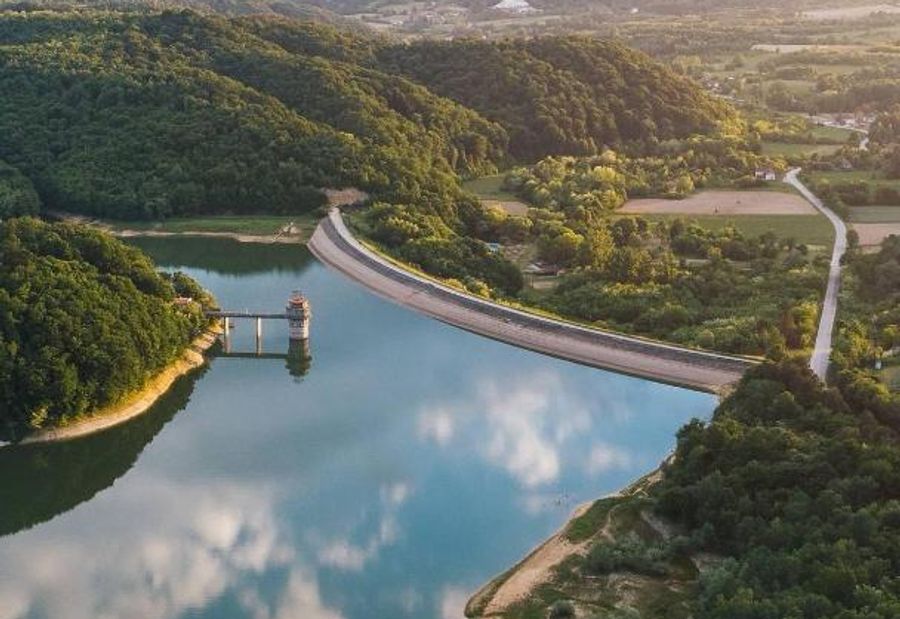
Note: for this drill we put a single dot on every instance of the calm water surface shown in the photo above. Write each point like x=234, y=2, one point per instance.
x=388, y=475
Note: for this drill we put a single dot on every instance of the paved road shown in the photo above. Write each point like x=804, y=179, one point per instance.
x=822, y=351
x=334, y=245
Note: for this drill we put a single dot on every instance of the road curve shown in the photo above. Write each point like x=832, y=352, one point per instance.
x=333, y=244
x=818, y=362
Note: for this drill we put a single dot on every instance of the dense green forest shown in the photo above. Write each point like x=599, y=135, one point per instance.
x=869, y=330
x=563, y=95
x=84, y=320
x=796, y=485
x=17, y=194
x=153, y=115
x=139, y=116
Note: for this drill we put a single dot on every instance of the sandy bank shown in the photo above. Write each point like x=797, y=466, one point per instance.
x=535, y=569
x=135, y=404
x=243, y=238
x=333, y=244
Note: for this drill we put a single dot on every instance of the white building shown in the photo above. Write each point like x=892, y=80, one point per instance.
x=515, y=6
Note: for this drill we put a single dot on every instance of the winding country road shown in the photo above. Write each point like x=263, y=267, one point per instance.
x=818, y=362
x=334, y=245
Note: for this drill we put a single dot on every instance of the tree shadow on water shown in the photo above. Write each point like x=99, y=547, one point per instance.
x=42, y=481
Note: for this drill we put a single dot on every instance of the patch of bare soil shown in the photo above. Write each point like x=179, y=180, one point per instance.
x=723, y=203
x=871, y=235
x=537, y=568
x=345, y=197
x=513, y=207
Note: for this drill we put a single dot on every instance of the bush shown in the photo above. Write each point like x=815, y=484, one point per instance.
x=563, y=609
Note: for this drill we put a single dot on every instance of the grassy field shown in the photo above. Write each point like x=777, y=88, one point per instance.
x=875, y=214
x=808, y=229
x=891, y=377
x=782, y=149
x=489, y=188
x=835, y=134
x=867, y=176
x=259, y=225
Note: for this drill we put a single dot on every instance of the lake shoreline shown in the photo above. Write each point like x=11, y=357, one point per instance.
x=138, y=403
x=235, y=236
x=128, y=233
x=536, y=568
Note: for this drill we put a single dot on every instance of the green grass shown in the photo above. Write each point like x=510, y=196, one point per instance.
x=590, y=522
x=794, y=86
x=875, y=214
x=873, y=178
x=489, y=188
x=834, y=133
x=259, y=225
x=891, y=377
x=808, y=229
x=782, y=149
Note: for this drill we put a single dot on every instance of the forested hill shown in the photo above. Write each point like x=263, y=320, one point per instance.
x=562, y=95
x=150, y=115
x=84, y=320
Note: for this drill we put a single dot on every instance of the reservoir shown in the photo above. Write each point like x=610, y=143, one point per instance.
x=386, y=472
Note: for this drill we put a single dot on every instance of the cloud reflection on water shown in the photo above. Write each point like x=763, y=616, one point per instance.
x=343, y=554
x=207, y=541
x=532, y=427
x=389, y=484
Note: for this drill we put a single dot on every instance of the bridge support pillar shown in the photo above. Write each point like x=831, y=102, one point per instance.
x=258, y=335
x=226, y=333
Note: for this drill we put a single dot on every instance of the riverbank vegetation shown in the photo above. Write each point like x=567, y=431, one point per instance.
x=84, y=321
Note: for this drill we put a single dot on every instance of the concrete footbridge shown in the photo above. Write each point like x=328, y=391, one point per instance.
x=297, y=313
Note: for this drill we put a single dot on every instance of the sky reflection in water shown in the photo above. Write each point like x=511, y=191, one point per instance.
x=413, y=462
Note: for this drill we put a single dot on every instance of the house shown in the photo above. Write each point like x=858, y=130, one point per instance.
x=541, y=268
x=765, y=174
x=520, y=7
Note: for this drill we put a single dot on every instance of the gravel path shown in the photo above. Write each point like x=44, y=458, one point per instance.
x=818, y=362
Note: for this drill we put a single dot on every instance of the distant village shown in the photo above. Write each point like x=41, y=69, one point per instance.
x=416, y=16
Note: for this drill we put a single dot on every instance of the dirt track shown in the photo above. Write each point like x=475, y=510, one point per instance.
x=333, y=244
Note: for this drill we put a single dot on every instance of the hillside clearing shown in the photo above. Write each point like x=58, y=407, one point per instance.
x=490, y=190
